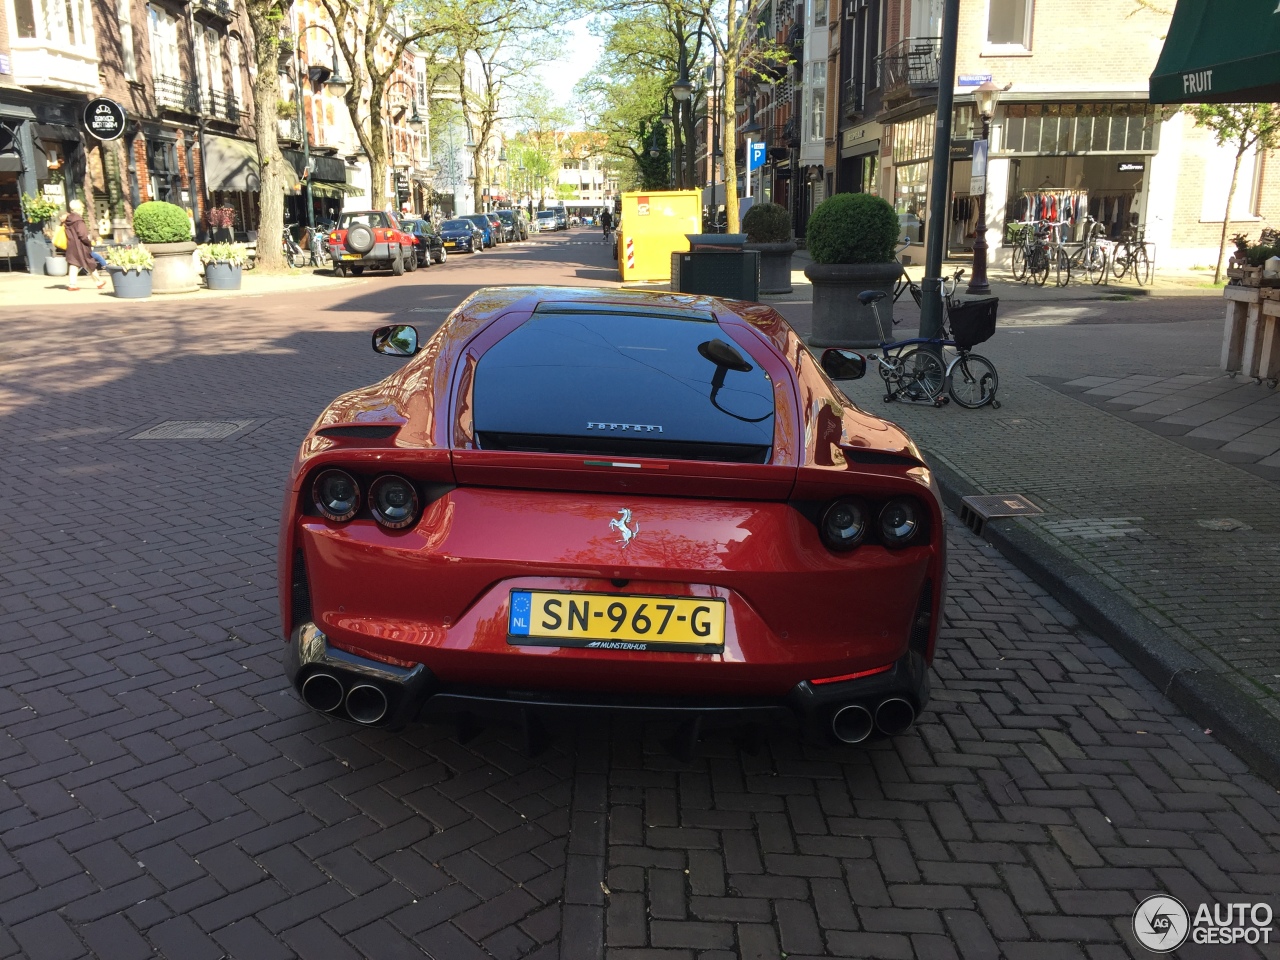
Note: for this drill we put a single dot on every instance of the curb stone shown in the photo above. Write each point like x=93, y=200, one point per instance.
x=1210, y=700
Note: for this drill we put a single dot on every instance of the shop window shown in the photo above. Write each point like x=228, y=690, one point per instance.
x=1009, y=23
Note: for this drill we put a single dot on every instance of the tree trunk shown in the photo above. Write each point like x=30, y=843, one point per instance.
x=730, y=139
x=1226, y=216
x=275, y=174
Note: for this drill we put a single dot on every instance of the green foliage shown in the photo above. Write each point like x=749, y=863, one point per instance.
x=130, y=258
x=1260, y=253
x=37, y=208
x=1240, y=125
x=158, y=222
x=852, y=228
x=233, y=253
x=767, y=223
x=654, y=171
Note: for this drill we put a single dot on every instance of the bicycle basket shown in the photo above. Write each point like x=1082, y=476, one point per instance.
x=973, y=321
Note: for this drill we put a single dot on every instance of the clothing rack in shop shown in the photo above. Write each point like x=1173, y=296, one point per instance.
x=1056, y=206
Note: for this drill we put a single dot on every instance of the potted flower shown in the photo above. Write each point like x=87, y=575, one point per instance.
x=768, y=230
x=130, y=269
x=223, y=263
x=851, y=238
x=40, y=213
x=221, y=222
x=165, y=228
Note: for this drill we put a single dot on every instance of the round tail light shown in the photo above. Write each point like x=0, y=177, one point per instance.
x=336, y=494
x=843, y=524
x=393, y=501
x=899, y=522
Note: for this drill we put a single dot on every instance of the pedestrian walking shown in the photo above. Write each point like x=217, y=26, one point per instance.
x=80, y=248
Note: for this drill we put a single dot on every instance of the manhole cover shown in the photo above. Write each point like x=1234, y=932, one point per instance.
x=193, y=430
x=1223, y=524
x=976, y=511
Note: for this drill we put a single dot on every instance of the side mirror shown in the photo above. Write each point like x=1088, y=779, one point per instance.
x=843, y=364
x=397, y=340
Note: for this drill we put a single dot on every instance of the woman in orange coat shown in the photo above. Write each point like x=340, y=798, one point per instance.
x=80, y=248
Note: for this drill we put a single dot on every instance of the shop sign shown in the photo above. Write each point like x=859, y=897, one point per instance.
x=973, y=79
x=54, y=191
x=5, y=66
x=1129, y=166
x=642, y=206
x=867, y=134
x=104, y=118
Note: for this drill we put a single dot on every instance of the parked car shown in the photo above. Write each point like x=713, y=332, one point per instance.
x=371, y=239
x=596, y=498
x=500, y=228
x=462, y=234
x=486, y=227
x=515, y=224
x=428, y=246
x=562, y=218
x=547, y=220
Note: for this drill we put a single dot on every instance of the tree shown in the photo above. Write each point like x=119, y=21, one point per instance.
x=266, y=17
x=1245, y=127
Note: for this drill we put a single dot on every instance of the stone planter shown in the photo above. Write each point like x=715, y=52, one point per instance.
x=839, y=320
x=131, y=284
x=175, y=269
x=55, y=266
x=222, y=276
x=775, y=266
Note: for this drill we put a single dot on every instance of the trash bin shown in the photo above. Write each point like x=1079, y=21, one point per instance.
x=716, y=265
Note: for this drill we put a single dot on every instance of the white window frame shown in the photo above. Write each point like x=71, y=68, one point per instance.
x=818, y=100
x=235, y=54
x=163, y=30
x=1016, y=48
x=128, y=56
x=1217, y=182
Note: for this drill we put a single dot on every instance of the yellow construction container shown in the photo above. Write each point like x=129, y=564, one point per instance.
x=654, y=224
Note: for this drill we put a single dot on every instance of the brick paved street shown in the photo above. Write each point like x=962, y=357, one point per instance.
x=163, y=793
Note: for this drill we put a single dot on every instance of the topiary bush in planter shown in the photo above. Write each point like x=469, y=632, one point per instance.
x=166, y=230
x=768, y=230
x=158, y=222
x=851, y=238
x=852, y=228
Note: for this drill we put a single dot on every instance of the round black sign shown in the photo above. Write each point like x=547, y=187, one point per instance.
x=104, y=118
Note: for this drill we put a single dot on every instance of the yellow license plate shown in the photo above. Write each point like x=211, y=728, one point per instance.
x=351, y=256
x=610, y=621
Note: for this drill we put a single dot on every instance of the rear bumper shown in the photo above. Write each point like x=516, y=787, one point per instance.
x=379, y=256
x=415, y=693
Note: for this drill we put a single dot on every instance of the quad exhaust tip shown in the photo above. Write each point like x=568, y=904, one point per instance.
x=851, y=724
x=366, y=703
x=894, y=716
x=323, y=692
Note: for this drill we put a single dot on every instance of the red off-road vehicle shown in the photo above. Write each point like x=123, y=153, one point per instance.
x=370, y=238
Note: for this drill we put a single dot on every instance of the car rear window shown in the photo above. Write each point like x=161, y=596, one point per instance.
x=368, y=219
x=455, y=225
x=621, y=383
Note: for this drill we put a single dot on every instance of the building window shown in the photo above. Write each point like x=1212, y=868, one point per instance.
x=164, y=43
x=422, y=87
x=124, y=19
x=62, y=22
x=1217, y=181
x=818, y=86
x=209, y=60
x=819, y=13
x=1009, y=23
x=235, y=54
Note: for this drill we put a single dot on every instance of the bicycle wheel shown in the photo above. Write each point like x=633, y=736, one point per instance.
x=1120, y=263
x=1142, y=266
x=1018, y=263
x=1038, y=266
x=1095, y=265
x=922, y=375
x=1062, y=268
x=972, y=381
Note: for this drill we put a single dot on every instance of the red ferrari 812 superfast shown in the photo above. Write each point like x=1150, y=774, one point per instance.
x=587, y=498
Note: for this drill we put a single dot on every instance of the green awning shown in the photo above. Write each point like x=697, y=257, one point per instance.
x=1220, y=51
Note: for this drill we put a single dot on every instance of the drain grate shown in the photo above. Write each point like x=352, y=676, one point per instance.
x=194, y=430
x=976, y=511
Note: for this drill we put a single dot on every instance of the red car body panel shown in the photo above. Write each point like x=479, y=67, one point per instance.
x=796, y=611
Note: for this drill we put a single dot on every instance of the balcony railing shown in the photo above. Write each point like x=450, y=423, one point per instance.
x=909, y=68
x=223, y=105
x=853, y=99
x=175, y=94
x=289, y=129
x=219, y=8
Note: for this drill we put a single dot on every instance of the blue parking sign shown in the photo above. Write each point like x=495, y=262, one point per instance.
x=755, y=158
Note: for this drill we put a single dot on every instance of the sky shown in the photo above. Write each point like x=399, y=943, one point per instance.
x=581, y=50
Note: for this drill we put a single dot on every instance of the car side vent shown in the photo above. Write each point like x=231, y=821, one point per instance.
x=372, y=431
x=922, y=621
x=300, y=595
x=879, y=457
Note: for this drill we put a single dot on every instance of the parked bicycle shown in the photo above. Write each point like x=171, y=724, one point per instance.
x=921, y=368
x=1133, y=255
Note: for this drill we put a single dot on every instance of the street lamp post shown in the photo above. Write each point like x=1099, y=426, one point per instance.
x=336, y=84
x=986, y=96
